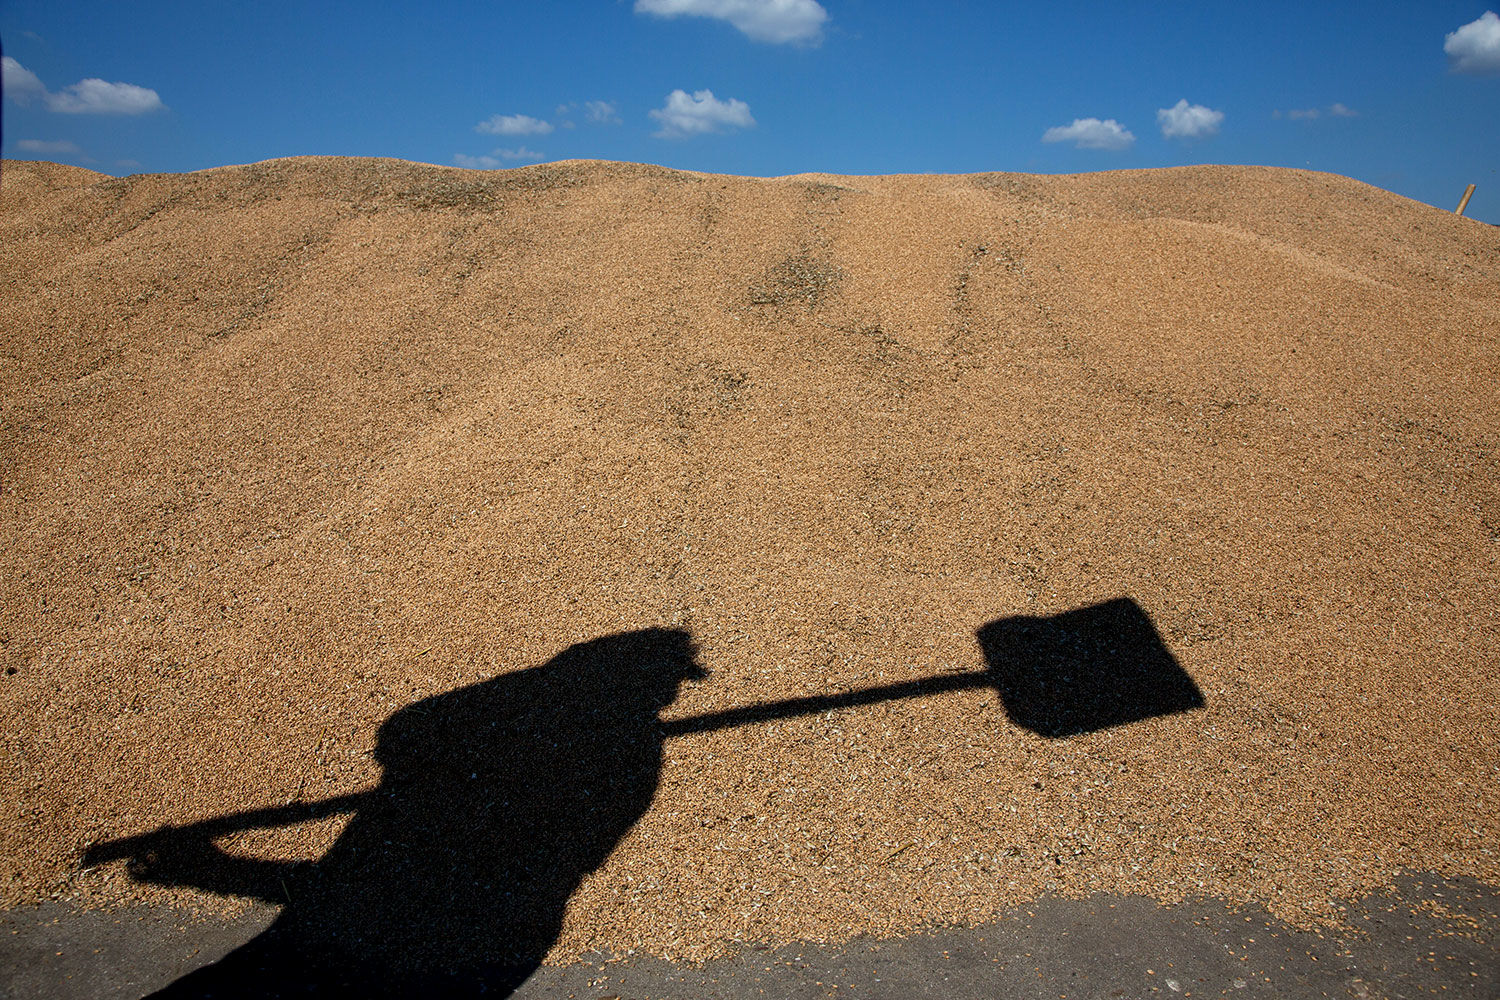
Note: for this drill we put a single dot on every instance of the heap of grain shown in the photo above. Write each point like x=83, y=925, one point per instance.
x=287, y=447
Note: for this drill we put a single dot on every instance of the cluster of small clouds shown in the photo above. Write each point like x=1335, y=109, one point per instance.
x=594, y=113
x=1181, y=121
x=682, y=114
x=1475, y=47
x=86, y=97
x=91, y=96
x=798, y=22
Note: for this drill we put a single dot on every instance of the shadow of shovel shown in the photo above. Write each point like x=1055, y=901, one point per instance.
x=1062, y=675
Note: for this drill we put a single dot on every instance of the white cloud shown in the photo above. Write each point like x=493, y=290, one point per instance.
x=20, y=83
x=58, y=147
x=1188, y=121
x=86, y=97
x=1091, y=133
x=1304, y=114
x=601, y=113
x=99, y=97
x=775, y=21
x=1340, y=110
x=513, y=125
x=1475, y=48
x=683, y=116
x=520, y=153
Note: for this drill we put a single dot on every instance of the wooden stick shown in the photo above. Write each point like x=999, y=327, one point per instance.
x=1463, y=203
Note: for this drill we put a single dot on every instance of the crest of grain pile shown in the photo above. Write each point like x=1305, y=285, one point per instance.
x=289, y=447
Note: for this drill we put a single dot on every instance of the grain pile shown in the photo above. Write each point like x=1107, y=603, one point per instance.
x=286, y=447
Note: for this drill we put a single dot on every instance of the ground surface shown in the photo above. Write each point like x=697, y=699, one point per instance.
x=704, y=560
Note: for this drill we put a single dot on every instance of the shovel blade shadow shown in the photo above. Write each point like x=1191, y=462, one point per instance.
x=1085, y=670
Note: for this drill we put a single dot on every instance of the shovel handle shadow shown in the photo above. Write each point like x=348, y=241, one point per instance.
x=813, y=704
x=1061, y=675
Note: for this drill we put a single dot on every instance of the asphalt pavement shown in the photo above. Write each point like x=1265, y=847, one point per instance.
x=1430, y=937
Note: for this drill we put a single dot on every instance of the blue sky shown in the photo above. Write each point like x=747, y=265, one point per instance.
x=1405, y=95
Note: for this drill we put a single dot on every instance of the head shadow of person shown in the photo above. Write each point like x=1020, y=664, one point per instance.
x=498, y=799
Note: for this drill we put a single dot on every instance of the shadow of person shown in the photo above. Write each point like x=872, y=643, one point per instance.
x=497, y=800
x=452, y=876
